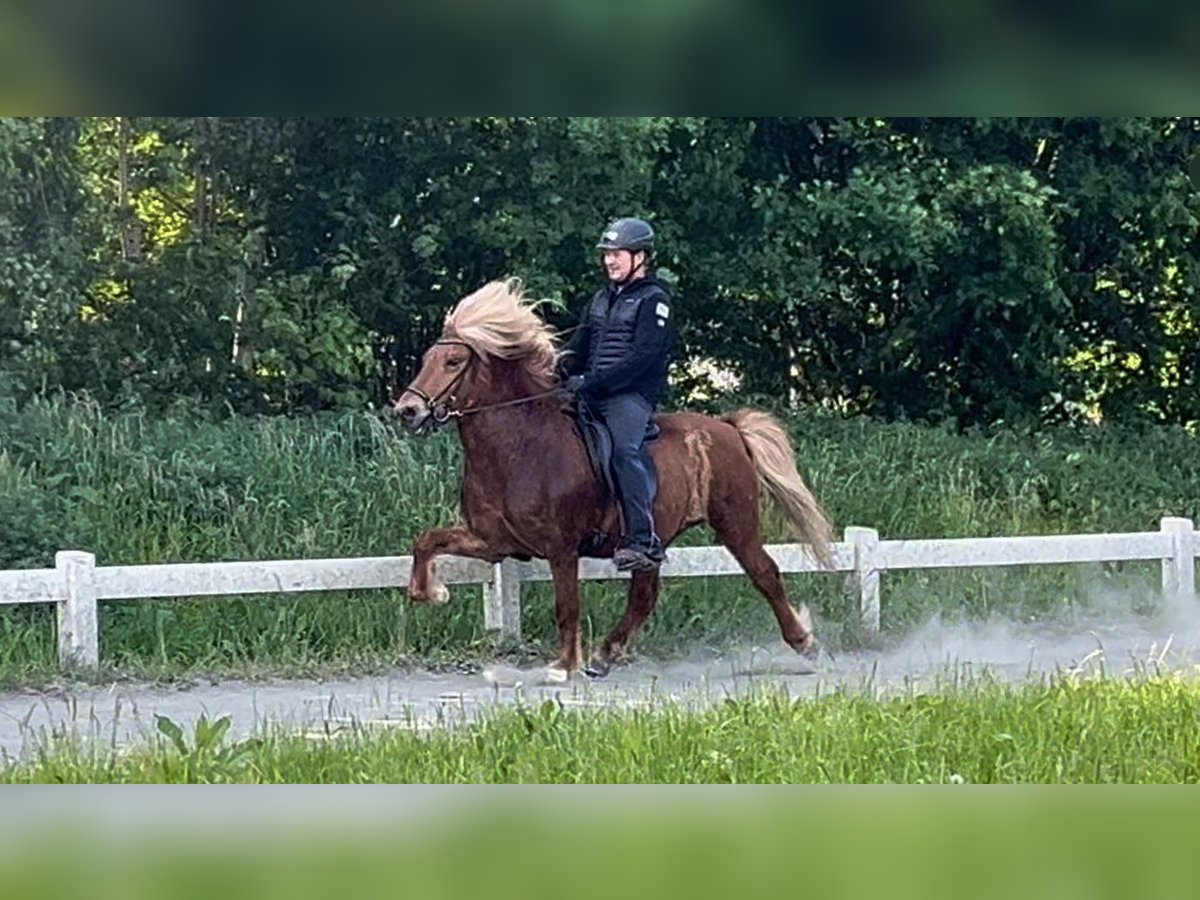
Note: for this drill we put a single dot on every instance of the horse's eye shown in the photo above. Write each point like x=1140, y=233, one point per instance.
x=453, y=363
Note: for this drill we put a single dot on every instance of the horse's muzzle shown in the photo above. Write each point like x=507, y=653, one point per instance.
x=415, y=415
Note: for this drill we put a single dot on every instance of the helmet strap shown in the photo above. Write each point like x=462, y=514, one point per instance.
x=645, y=264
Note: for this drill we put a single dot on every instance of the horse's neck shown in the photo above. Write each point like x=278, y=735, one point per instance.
x=514, y=436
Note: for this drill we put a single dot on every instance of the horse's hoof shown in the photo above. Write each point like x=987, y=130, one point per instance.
x=807, y=649
x=437, y=595
x=597, y=668
x=555, y=675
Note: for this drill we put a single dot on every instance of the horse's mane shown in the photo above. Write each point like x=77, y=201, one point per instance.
x=499, y=320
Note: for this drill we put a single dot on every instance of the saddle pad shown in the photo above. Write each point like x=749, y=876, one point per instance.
x=598, y=443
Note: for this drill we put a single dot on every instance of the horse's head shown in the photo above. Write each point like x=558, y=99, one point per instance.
x=449, y=375
x=494, y=348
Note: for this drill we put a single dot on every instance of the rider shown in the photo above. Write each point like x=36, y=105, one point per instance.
x=617, y=363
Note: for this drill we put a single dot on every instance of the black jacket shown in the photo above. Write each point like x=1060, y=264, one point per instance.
x=625, y=341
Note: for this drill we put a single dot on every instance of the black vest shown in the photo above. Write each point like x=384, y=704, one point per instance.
x=612, y=316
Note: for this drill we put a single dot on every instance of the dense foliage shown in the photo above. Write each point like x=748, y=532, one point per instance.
x=973, y=271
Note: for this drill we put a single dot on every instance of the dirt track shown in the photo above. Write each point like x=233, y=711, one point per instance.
x=125, y=713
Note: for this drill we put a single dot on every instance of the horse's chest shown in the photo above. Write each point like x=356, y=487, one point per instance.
x=490, y=504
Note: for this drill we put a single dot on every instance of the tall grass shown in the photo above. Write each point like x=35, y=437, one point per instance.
x=135, y=489
x=1070, y=730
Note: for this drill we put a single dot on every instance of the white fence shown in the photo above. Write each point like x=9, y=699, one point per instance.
x=76, y=584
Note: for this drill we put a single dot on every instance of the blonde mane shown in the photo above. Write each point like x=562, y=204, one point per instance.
x=499, y=320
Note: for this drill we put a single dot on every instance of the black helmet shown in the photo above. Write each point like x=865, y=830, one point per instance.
x=627, y=234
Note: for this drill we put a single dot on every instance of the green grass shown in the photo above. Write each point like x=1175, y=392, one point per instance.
x=646, y=842
x=135, y=489
x=1069, y=730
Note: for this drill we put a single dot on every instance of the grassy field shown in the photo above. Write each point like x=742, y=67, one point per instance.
x=1069, y=730
x=133, y=489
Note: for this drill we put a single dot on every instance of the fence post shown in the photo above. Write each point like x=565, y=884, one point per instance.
x=502, y=599
x=866, y=574
x=1179, y=570
x=78, y=643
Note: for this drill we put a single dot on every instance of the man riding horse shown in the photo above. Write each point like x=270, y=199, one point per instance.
x=617, y=365
x=528, y=487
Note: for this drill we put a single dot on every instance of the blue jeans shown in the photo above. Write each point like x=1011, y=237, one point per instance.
x=626, y=417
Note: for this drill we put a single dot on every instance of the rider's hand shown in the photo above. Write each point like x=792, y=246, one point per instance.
x=562, y=362
x=575, y=384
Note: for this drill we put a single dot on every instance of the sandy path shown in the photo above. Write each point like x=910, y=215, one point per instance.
x=125, y=713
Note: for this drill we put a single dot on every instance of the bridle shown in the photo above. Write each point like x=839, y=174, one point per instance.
x=441, y=413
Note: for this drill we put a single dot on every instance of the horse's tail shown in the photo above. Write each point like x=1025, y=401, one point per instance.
x=774, y=458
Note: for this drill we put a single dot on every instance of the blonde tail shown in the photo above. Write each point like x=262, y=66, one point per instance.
x=774, y=458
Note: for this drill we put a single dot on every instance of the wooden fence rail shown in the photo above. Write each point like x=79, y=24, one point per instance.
x=76, y=584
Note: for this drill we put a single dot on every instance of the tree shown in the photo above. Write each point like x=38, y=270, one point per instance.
x=46, y=270
x=979, y=271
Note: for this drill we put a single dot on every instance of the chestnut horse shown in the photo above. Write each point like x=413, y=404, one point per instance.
x=528, y=488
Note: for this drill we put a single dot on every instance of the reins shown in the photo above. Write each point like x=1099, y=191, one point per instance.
x=441, y=413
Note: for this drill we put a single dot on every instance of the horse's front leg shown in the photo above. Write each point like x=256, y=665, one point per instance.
x=424, y=586
x=565, y=570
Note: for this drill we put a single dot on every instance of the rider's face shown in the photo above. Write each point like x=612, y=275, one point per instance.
x=620, y=264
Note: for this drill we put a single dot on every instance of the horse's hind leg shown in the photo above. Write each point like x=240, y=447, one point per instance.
x=738, y=530
x=643, y=595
